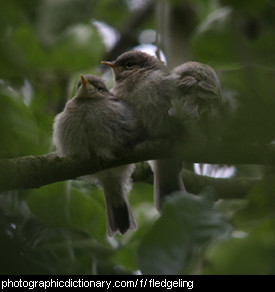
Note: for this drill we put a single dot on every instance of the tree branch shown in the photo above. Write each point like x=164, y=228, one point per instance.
x=36, y=171
x=226, y=188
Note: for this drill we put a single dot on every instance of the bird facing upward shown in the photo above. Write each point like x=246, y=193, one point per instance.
x=95, y=123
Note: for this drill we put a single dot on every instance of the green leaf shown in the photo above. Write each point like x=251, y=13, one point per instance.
x=261, y=203
x=60, y=205
x=187, y=224
x=18, y=128
x=87, y=210
x=250, y=250
x=214, y=39
x=230, y=36
x=50, y=204
x=244, y=253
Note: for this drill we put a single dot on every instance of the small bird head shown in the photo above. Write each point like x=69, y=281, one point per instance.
x=199, y=88
x=134, y=62
x=90, y=86
x=201, y=73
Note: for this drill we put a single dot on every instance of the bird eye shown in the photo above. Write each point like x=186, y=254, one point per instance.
x=100, y=89
x=129, y=64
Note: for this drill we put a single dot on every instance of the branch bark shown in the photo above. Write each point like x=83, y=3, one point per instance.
x=36, y=171
x=226, y=188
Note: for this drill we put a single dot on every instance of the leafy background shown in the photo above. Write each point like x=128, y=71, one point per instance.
x=60, y=228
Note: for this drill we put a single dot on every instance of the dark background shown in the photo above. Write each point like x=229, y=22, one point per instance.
x=60, y=228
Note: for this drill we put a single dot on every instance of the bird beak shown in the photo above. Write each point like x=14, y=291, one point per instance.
x=110, y=64
x=84, y=80
x=85, y=89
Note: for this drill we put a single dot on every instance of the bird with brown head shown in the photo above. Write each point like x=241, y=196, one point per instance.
x=143, y=83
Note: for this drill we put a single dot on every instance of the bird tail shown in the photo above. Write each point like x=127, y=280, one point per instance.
x=119, y=217
x=167, y=179
x=116, y=183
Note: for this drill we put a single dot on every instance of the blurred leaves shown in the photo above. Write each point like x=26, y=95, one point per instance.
x=18, y=128
x=60, y=228
x=188, y=224
x=228, y=35
x=244, y=253
x=249, y=89
x=63, y=205
x=215, y=38
x=251, y=248
x=78, y=47
x=261, y=203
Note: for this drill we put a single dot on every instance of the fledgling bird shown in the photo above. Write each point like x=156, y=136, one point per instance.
x=198, y=103
x=95, y=123
x=199, y=98
x=142, y=83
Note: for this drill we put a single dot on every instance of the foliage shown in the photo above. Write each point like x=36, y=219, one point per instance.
x=60, y=228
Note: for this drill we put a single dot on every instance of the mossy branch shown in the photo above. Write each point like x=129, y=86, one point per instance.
x=36, y=171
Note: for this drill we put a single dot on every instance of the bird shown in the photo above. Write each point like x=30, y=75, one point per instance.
x=142, y=82
x=96, y=124
x=198, y=100
x=198, y=103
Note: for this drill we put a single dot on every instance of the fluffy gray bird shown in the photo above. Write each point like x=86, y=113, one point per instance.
x=143, y=83
x=95, y=123
x=199, y=97
x=198, y=102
